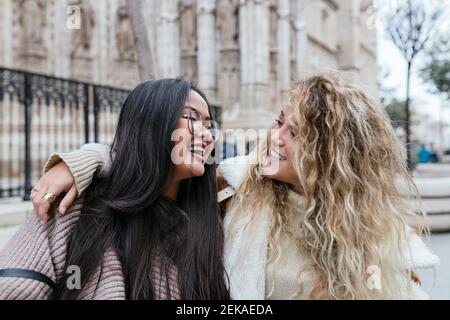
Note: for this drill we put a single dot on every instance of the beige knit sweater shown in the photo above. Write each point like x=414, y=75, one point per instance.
x=42, y=248
x=282, y=270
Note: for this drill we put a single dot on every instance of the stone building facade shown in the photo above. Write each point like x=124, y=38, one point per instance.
x=242, y=53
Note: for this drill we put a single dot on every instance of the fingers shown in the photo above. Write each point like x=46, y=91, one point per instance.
x=57, y=180
x=41, y=205
x=44, y=205
x=34, y=192
x=33, y=197
x=68, y=199
x=36, y=199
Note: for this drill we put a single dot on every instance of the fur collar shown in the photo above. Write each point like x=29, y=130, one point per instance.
x=246, y=243
x=233, y=169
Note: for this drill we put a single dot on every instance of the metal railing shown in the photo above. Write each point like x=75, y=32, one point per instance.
x=41, y=114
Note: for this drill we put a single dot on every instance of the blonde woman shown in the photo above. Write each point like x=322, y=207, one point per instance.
x=315, y=212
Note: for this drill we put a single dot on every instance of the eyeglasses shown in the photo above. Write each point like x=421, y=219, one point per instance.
x=196, y=121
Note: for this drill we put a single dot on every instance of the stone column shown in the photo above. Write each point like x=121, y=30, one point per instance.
x=348, y=37
x=301, y=37
x=284, y=47
x=62, y=37
x=254, y=28
x=168, y=39
x=6, y=36
x=206, y=36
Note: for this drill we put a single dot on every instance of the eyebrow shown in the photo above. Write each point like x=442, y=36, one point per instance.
x=192, y=108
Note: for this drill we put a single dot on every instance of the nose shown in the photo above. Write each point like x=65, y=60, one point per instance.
x=203, y=133
x=207, y=136
x=276, y=138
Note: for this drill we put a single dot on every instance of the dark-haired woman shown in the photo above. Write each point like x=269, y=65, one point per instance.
x=150, y=229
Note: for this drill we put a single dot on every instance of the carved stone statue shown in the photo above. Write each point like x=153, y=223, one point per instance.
x=124, y=35
x=32, y=19
x=82, y=38
x=227, y=22
x=188, y=24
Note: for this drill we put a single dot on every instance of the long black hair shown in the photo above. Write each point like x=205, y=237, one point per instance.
x=127, y=211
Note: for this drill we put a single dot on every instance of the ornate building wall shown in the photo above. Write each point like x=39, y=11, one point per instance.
x=242, y=53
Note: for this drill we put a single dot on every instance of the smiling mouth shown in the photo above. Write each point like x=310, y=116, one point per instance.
x=275, y=154
x=197, y=150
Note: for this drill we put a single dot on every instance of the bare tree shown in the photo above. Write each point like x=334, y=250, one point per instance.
x=145, y=55
x=410, y=26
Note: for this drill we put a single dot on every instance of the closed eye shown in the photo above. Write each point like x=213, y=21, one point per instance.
x=279, y=122
x=188, y=117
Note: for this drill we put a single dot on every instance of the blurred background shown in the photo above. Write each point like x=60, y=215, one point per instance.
x=66, y=66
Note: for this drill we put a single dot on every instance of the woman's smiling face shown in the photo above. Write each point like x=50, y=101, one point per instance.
x=193, y=137
x=282, y=146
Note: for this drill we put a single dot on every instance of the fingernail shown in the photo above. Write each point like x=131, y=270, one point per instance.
x=63, y=210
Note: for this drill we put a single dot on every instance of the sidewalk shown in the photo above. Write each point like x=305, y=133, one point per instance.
x=13, y=211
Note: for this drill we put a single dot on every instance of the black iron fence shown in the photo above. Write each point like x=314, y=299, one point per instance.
x=40, y=114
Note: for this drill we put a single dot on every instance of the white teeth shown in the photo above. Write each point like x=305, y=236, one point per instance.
x=276, y=155
x=197, y=150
